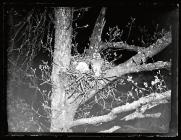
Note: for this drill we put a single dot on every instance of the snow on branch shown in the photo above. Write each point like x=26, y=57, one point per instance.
x=97, y=31
x=124, y=108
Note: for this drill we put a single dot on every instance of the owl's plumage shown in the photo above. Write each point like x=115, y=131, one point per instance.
x=82, y=67
x=96, y=66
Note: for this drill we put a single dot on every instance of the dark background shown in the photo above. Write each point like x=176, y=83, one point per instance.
x=149, y=16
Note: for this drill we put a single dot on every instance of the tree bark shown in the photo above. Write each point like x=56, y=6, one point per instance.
x=62, y=114
x=63, y=108
x=153, y=97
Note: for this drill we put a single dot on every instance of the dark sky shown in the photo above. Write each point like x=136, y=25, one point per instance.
x=148, y=19
x=118, y=16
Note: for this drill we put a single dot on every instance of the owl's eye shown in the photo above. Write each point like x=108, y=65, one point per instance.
x=90, y=67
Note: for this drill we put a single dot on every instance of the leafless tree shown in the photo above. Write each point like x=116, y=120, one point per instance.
x=82, y=80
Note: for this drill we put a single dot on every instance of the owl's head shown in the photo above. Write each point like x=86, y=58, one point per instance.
x=96, y=65
x=82, y=67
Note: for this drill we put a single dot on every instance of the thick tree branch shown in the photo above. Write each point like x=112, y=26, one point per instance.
x=95, y=39
x=133, y=64
x=125, y=108
x=122, y=69
x=150, y=51
x=121, y=45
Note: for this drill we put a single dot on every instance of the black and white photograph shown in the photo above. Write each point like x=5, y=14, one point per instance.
x=91, y=69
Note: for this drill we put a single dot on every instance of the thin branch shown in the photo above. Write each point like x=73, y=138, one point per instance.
x=125, y=108
x=81, y=9
x=92, y=92
x=139, y=115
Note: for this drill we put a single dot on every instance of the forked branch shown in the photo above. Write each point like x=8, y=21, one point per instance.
x=137, y=62
x=150, y=51
x=124, y=108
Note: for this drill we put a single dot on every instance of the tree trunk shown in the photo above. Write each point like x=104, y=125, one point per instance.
x=62, y=108
x=62, y=114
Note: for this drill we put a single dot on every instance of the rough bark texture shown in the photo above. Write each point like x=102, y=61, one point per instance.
x=61, y=113
x=64, y=108
x=125, y=108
